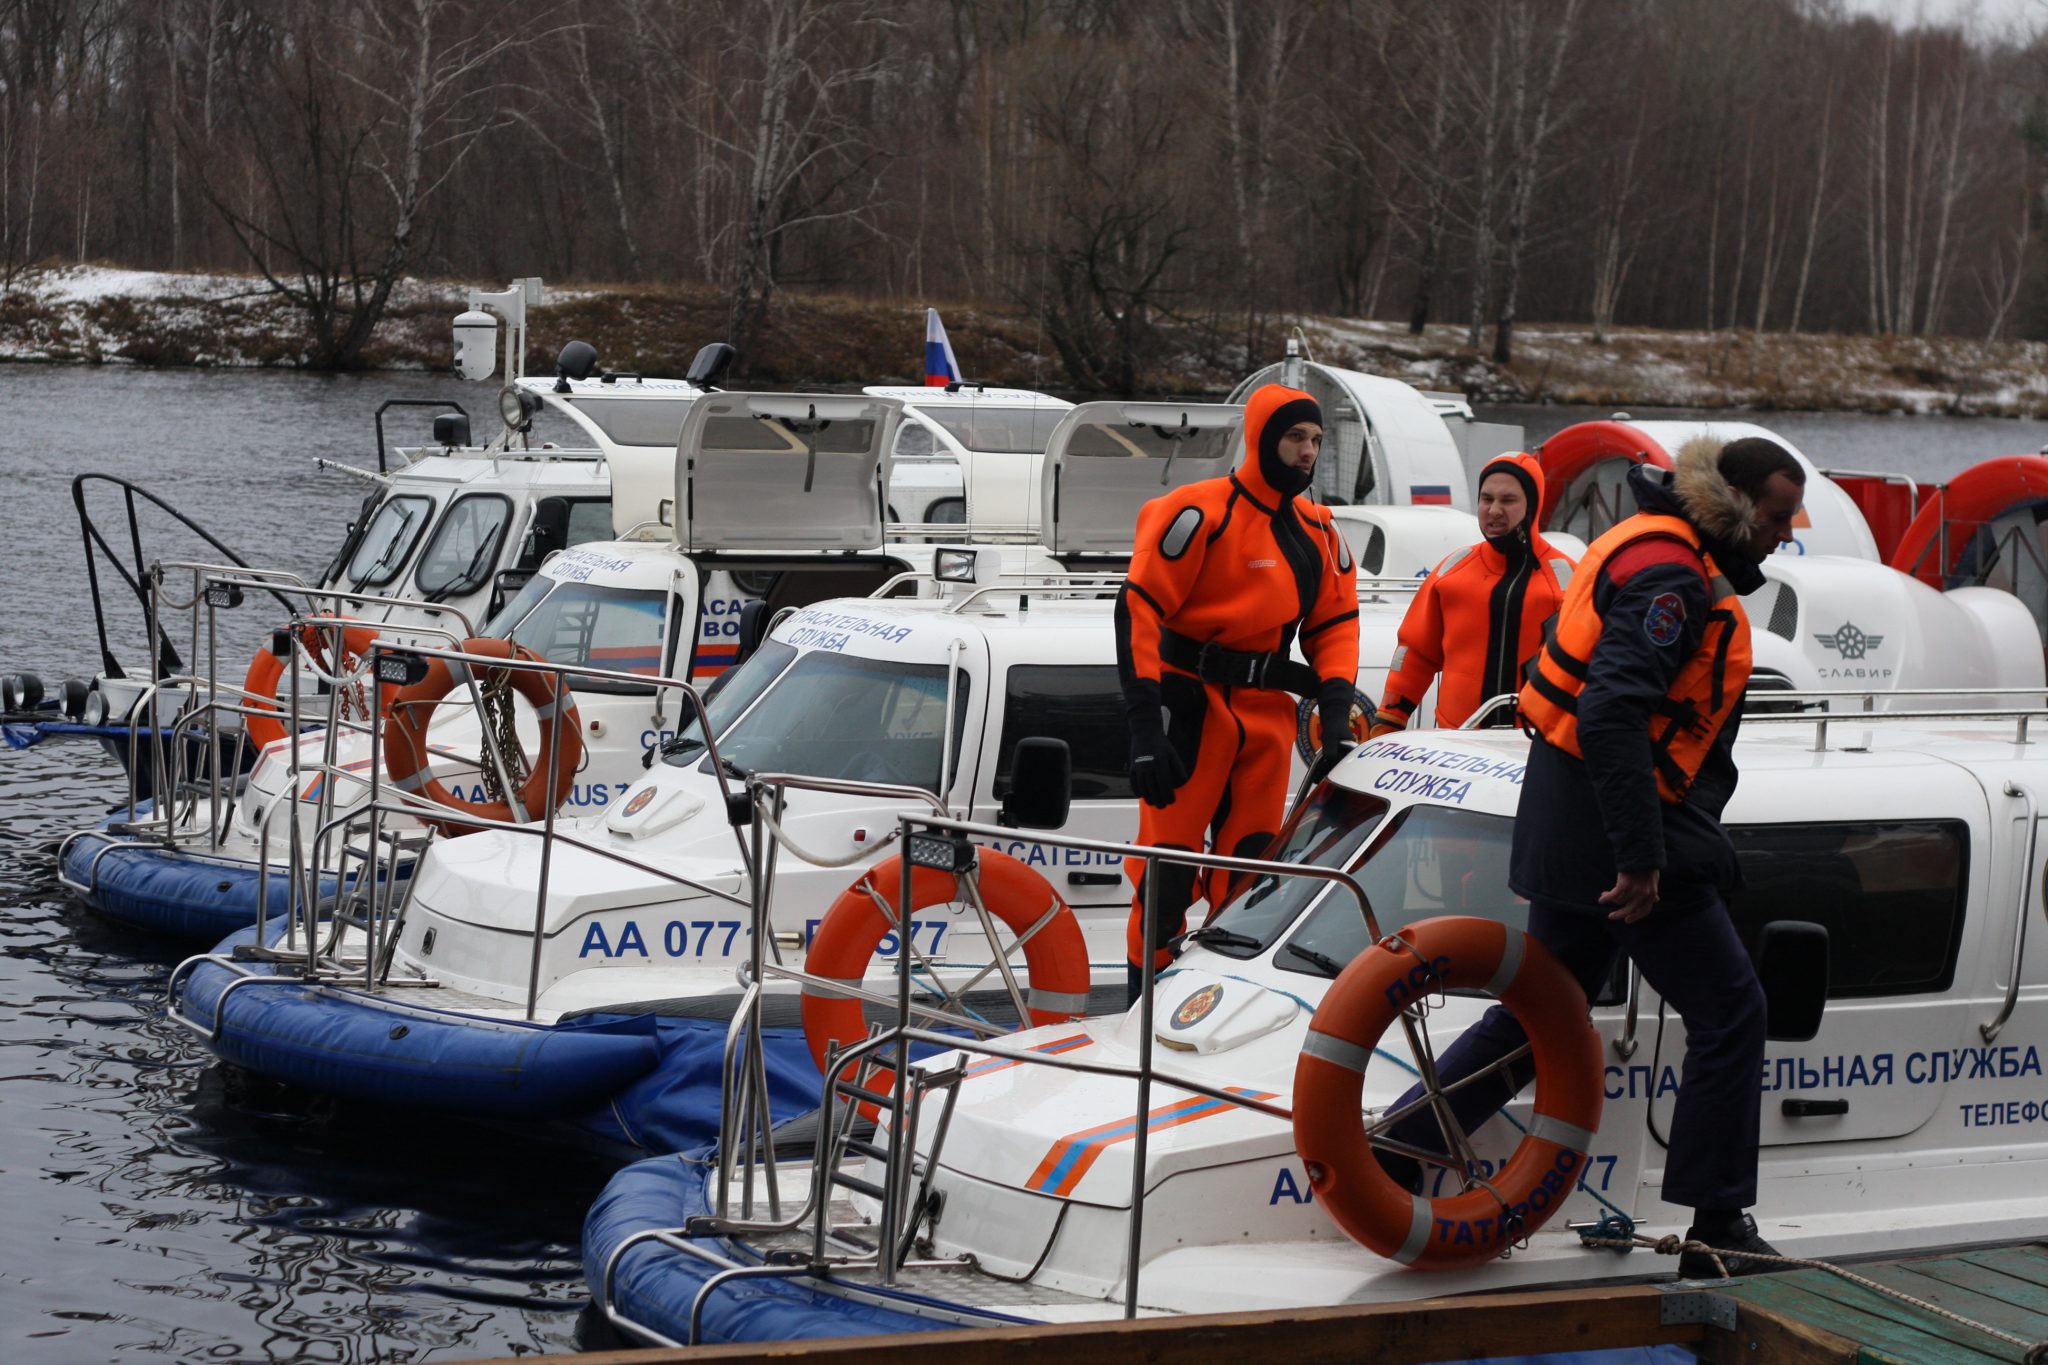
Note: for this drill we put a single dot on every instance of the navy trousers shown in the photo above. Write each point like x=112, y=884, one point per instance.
x=1692, y=958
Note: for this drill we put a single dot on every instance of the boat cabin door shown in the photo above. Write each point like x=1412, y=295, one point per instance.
x=1104, y=461
x=783, y=471
x=1912, y=872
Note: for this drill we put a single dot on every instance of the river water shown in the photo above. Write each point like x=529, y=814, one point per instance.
x=160, y=1205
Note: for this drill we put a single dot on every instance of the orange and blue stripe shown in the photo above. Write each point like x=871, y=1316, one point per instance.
x=1071, y=1157
x=1052, y=1049
x=312, y=792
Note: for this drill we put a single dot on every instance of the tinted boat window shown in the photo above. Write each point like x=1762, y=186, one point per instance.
x=1329, y=829
x=393, y=531
x=464, y=549
x=839, y=715
x=737, y=689
x=1017, y=431
x=1889, y=893
x=1433, y=860
x=581, y=623
x=637, y=421
x=590, y=519
x=1081, y=704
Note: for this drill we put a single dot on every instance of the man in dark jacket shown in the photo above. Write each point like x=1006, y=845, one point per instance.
x=1632, y=709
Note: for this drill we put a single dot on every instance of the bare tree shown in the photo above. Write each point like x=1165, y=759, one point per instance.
x=1533, y=118
x=1615, y=234
x=351, y=116
x=1117, y=220
x=778, y=105
x=1816, y=204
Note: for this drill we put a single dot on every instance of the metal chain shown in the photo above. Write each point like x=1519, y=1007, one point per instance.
x=1671, y=1244
x=494, y=686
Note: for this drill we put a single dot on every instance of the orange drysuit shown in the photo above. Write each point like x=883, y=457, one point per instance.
x=1478, y=618
x=1227, y=576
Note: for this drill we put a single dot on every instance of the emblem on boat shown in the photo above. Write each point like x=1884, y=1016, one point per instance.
x=1850, y=642
x=1197, y=1007
x=639, y=801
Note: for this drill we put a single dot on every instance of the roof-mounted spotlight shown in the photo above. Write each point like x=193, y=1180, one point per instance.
x=517, y=407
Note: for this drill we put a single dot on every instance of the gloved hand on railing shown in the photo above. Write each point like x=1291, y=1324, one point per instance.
x=1385, y=722
x=1333, y=715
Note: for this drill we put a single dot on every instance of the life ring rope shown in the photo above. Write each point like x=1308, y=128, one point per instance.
x=1035, y=998
x=1400, y=979
x=408, y=758
x=263, y=720
x=1000, y=888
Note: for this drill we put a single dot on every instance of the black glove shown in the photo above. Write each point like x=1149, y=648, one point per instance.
x=1328, y=757
x=1333, y=713
x=1156, y=770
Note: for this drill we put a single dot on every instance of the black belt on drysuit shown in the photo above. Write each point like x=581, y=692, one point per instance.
x=1227, y=667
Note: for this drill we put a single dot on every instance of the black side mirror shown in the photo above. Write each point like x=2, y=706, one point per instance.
x=753, y=628
x=1041, y=784
x=709, y=365
x=451, y=429
x=1792, y=964
x=506, y=587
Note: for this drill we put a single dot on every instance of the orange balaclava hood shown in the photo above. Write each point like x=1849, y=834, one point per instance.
x=1528, y=472
x=1268, y=413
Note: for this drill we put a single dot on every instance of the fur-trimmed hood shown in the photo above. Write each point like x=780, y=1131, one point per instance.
x=1725, y=515
x=1722, y=511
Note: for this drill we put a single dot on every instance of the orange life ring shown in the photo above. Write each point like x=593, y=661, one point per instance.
x=266, y=670
x=408, y=764
x=1056, y=957
x=1479, y=1223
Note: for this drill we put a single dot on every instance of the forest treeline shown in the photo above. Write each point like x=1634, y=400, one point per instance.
x=1125, y=174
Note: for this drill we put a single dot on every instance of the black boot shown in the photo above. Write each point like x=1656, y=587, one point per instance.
x=1405, y=1170
x=1731, y=1236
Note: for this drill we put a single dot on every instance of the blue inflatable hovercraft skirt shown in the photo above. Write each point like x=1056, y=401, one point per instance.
x=654, y=1285
x=171, y=890
x=636, y=1077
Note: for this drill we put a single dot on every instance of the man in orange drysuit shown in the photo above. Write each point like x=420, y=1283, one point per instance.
x=1227, y=576
x=1478, y=618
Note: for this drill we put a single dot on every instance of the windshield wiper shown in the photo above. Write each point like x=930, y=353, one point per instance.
x=676, y=745
x=1216, y=936
x=1322, y=962
x=398, y=542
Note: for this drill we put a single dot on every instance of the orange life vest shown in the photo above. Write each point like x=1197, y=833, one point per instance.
x=1708, y=688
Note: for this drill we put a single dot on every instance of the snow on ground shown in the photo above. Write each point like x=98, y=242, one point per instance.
x=102, y=314
x=76, y=284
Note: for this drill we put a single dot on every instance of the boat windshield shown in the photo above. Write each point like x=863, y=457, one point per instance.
x=1329, y=829
x=394, y=529
x=734, y=693
x=582, y=623
x=839, y=715
x=1431, y=860
x=1015, y=431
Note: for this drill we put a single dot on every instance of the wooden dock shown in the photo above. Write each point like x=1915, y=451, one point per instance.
x=1796, y=1317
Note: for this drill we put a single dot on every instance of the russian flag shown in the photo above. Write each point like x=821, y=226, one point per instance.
x=941, y=366
x=1429, y=494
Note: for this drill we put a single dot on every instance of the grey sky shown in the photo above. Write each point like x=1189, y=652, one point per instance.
x=1995, y=15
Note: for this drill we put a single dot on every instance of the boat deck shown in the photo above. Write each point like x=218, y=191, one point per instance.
x=961, y=1284
x=1795, y=1317
x=2005, y=1288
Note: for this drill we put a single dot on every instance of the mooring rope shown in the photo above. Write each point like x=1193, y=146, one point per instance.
x=1671, y=1244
